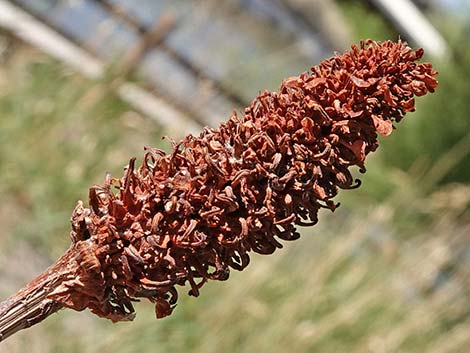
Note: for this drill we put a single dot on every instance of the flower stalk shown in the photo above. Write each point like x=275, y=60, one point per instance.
x=190, y=216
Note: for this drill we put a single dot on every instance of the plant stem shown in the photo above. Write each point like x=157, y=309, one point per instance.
x=31, y=304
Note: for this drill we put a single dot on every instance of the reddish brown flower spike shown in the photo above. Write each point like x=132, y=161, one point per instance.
x=191, y=215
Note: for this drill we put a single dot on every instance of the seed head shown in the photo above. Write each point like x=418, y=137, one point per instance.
x=191, y=215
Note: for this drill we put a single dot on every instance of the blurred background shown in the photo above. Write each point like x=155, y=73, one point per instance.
x=85, y=84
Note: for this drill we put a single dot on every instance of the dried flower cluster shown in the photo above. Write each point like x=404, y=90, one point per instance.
x=191, y=215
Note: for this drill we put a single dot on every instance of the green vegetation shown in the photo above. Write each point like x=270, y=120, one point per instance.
x=388, y=272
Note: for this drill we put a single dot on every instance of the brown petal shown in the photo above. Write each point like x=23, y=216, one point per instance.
x=383, y=127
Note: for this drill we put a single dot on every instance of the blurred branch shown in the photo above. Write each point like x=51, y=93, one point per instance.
x=150, y=39
x=414, y=25
x=199, y=73
x=40, y=35
x=26, y=27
